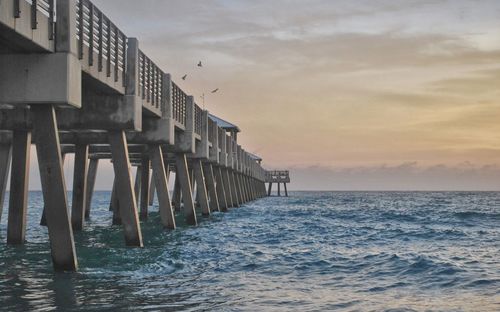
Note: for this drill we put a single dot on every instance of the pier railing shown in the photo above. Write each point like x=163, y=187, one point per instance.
x=277, y=176
x=100, y=41
x=197, y=119
x=179, y=100
x=103, y=50
x=150, y=83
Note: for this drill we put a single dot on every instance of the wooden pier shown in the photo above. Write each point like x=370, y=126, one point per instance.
x=72, y=82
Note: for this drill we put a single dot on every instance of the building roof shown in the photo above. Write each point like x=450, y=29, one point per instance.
x=254, y=157
x=224, y=124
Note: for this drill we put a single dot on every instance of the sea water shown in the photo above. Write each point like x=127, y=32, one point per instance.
x=313, y=251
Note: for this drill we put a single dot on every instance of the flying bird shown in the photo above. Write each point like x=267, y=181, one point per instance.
x=184, y=77
x=214, y=91
x=200, y=65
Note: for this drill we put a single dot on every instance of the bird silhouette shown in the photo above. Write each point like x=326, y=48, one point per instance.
x=200, y=65
x=214, y=91
x=184, y=77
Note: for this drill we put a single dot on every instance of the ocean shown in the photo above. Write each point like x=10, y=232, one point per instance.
x=313, y=251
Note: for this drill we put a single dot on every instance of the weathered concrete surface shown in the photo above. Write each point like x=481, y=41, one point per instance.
x=185, y=183
x=126, y=198
x=5, y=161
x=79, y=205
x=54, y=78
x=54, y=189
x=201, y=187
x=159, y=173
x=18, y=201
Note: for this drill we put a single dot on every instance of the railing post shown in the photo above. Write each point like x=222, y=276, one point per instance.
x=66, y=26
x=202, y=151
x=17, y=9
x=34, y=9
x=101, y=41
x=51, y=19
x=187, y=140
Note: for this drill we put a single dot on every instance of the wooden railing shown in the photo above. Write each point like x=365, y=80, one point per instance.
x=150, y=82
x=103, y=39
x=179, y=99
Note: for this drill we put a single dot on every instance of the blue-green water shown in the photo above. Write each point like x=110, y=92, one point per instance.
x=310, y=252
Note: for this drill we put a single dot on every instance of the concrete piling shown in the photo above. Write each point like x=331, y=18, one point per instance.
x=91, y=180
x=160, y=177
x=126, y=197
x=211, y=188
x=221, y=190
x=145, y=188
x=54, y=188
x=185, y=183
x=79, y=205
x=5, y=162
x=18, y=202
x=201, y=188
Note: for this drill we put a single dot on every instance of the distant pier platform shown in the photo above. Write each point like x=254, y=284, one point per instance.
x=277, y=177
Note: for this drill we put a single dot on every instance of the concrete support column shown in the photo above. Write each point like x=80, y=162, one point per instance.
x=269, y=189
x=79, y=204
x=137, y=184
x=5, y=161
x=228, y=188
x=159, y=173
x=239, y=186
x=43, y=219
x=244, y=197
x=244, y=187
x=54, y=188
x=152, y=189
x=114, y=206
x=91, y=179
x=221, y=193
x=201, y=187
x=279, y=189
x=249, y=188
x=144, y=196
x=18, y=203
x=177, y=193
x=234, y=190
x=185, y=182
x=124, y=189
x=286, y=191
x=210, y=182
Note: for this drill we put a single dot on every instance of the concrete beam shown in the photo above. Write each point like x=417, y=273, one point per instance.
x=54, y=78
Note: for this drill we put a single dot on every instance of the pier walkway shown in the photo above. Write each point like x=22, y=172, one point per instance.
x=72, y=82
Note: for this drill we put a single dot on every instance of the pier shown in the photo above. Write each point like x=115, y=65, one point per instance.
x=277, y=177
x=72, y=82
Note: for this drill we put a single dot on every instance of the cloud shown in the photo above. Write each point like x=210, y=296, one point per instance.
x=406, y=176
x=347, y=83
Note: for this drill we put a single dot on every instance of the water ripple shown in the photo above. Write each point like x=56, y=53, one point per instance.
x=315, y=251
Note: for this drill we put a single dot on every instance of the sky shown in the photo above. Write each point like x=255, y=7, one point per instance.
x=357, y=95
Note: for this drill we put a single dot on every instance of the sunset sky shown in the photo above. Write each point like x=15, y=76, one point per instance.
x=346, y=94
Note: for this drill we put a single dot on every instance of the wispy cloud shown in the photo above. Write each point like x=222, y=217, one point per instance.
x=343, y=83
